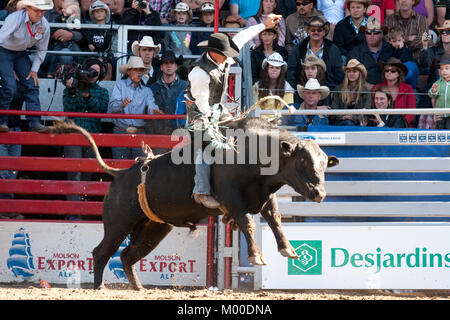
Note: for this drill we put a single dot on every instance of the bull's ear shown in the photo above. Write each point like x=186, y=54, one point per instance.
x=287, y=148
x=332, y=161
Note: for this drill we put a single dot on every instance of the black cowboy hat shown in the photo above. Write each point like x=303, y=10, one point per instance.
x=220, y=43
x=170, y=56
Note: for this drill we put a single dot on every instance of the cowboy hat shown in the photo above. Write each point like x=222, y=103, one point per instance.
x=313, y=60
x=170, y=56
x=355, y=64
x=318, y=22
x=313, y=85
x=445, y=59
x=97, y=5
x=220, y=43
x=207, y=7
x=133, y=63
x=394, y=62
x=40, y=4
x=366, y=3
x=276, y=60
x=181, y=7
x=146, y=41
x=373, y=24
x=445, y=26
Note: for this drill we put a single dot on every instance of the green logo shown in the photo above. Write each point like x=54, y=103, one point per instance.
x=309, y=257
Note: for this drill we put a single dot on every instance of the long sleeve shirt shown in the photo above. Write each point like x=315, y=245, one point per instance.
x=199, y=79
x=142, y=102
x=97, y=102
x=15, y=36
x=442, y=95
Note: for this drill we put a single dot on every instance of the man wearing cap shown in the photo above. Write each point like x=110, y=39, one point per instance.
x=165, y=91
x=413, y=24
x=147, y=50
x=207, y=87
x=22, y=30
x=372, y=50
x=318, y=45
x=346, y=34
x=130, y=96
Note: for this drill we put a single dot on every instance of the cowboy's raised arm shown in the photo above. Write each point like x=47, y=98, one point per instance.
x=249, y=33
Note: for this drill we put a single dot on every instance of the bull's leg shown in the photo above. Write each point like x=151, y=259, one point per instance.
x=273, y=218
x=144, y=238
x=247, y=226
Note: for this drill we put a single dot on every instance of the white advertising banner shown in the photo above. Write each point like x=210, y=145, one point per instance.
x=59, y=252
x=359, y=256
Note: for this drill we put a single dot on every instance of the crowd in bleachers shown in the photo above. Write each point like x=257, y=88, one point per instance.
x=323, y=54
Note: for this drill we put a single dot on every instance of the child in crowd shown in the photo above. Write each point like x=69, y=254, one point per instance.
x=99, y=40
x=179, y=41
x=206, y=20
x=71, y=13
x=440, y=93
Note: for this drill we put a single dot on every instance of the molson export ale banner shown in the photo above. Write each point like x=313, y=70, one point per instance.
x=59, y=252
x=360, y=256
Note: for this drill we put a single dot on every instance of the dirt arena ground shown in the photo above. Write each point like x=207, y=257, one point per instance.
x=121, y=292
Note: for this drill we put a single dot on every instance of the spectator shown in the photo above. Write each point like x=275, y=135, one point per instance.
x=440, y=95
x=352, y=93
x=311, y=94
x=313, y=68
x=244, y=9
x=147, y=50
x=93, y=99
x=347, y=34
x=163, y=7
x=179, y=41
x=138, y=16
x=130, y=96
x=426, y=9
x=373, y=49
x=195, y=5
x=15, y=60
x=61, y=39
x=393, y=76
x=166, y=90
x=442, y=13
x=10, y=8
x=333, y=11
x=380, y=9
x=287, y=7
x=268, y=45
x=99, y=40
x=273, y=83
x=231, y=22
x=383, y=100
x=116, y=7
x=206, y=20
x=296, y=22
x=267, y=7
x=412, y=23
x=323, y=48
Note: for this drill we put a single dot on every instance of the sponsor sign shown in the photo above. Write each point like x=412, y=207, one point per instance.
x=359, y=256
x=62, y=253
x=423, y=137
x=323, y=138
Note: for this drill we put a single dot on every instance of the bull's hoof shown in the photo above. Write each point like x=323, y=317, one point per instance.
x=100, y=287
x=137, y=287
x=257, y=261
x=289, y=252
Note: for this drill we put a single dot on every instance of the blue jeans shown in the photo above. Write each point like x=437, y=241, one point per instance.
x=202, y=173
x=19, y=62
x=125, y=152
x=9, y=150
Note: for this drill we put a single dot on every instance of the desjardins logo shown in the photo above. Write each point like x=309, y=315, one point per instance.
x=310, y=258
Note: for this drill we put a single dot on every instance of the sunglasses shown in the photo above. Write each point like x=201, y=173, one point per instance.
x=303, y=3
x=373, y=32
x=446, y=32
x=391, y=70
x=315, y=29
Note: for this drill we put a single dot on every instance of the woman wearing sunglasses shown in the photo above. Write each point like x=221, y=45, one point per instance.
x=403, y=96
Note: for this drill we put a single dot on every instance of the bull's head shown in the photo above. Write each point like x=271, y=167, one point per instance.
x=305, y=168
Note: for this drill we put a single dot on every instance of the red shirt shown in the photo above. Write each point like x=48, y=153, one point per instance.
x=406, y=99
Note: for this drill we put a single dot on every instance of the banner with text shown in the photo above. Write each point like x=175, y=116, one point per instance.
x=359, y=256
x=62, y=253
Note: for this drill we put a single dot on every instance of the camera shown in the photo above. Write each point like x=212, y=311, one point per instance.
x=142, y=4
x=429, y=36
x=81, y=77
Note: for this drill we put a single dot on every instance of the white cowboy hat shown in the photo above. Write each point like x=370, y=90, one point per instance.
x=313, y=85
x=276, y=60
x=206, y=7
x=181, y=6
x=100, y=5
x=40, y=4
x=146, y=41
x=133, y=63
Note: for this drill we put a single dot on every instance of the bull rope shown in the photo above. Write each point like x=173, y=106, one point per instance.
x=141, y=189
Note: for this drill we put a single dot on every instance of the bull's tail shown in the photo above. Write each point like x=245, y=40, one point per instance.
x=62, y=127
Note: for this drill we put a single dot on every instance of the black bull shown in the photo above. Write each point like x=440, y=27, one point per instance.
x=240, y=188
